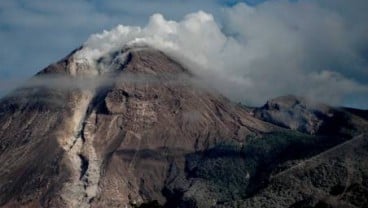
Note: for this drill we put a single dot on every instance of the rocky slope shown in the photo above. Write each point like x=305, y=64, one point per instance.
x=135, y=128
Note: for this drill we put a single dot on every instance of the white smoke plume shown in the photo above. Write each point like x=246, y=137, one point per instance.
x=276, y=48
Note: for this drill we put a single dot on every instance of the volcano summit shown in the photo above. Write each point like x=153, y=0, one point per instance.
x=141, y=130
x=127, y=120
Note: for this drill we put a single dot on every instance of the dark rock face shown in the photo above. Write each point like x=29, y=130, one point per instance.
x=144, y=133
x=307, y=116
x=295, y=113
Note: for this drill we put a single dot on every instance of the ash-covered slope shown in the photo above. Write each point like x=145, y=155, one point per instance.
x=112, y=144
x=295, y=113
x=310, y=117
x=135, y=126
x=325, y=169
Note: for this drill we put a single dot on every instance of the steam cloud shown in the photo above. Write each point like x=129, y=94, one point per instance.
x=314, y=48
x=273, y=49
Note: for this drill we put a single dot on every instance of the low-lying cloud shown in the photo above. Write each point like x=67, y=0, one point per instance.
x=276, y=48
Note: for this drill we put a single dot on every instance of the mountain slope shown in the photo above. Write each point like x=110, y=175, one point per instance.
x=334, y=178
x=136, y=126
x=111, y=145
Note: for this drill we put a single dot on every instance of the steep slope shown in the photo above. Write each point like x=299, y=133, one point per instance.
x=145, y=127
x=40, y=139
x=112, y=144
x=136, y=128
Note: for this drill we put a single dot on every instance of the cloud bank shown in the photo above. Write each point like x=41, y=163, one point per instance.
x=279, y=47
x=315, y=48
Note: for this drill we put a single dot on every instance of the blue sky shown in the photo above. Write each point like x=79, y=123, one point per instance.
x=38, y=32
x=35, y=33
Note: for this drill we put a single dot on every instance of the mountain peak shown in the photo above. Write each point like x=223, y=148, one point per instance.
x=141, y=59
x=140, y=116
x=131, y=127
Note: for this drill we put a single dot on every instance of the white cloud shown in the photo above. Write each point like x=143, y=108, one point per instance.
x=273, y=49
x=316, y=48
x=36, y=33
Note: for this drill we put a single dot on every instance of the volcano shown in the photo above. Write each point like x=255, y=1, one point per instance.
x=136, y=128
